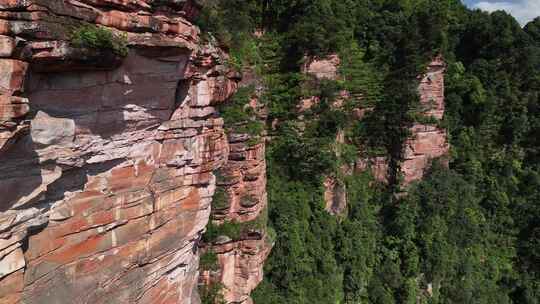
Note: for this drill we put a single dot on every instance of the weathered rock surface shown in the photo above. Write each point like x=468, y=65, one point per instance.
x=243, y=200
x=323, y=68
x=106, y=161
x=428, y=141
x=241, y=267
x=243, y=179
x=244, y=182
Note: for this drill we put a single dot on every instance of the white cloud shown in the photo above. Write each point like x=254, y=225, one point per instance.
x=523, y=10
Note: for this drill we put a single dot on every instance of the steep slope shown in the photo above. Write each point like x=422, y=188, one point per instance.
x=241, y=202
x=107, y=150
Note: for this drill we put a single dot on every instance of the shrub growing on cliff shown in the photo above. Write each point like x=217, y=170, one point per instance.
x=211, y=294
x=234, y=111
x=209, y=261
x=220, y=199
x=240, y=117
x=100, y=38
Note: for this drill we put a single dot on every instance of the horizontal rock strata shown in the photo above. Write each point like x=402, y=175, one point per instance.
x=242, y=200
x=106, y=159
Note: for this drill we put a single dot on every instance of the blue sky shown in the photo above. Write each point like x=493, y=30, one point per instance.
x=523, y=10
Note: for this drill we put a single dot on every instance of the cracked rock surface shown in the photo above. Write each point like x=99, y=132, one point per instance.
x=106, y=160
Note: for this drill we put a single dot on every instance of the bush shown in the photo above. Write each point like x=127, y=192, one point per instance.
x=239, y=117
x=222, y=177
x=249, y=200
x=211, y=294
x=100, y=38
x=209, y=261
x=220, y=199
x=235, y=230
x=271, y=235
x=235, y=110
x=254, y=128
x=229, y=229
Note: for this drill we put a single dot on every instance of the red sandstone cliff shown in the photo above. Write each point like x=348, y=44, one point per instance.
x=428, y=141
x=242, y=184
x=106, y=162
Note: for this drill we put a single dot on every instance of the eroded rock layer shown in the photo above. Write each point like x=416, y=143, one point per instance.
x=106, y=159
x=428, y=141
x=241, y=199
x=241, y=267
x=241, y=260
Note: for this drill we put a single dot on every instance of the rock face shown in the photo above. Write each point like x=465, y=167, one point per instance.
x=244, y=182
x=243, y=179
x=241, y=267
x=106, y=161
x=428, y=141
x=323, y=68
x=241, y=198
x=335, y=196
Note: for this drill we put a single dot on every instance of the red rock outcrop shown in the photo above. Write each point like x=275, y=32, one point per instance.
x=428, y=141
x=243, y=180
x=106, y=161
x=241, y=267
x=242, y=199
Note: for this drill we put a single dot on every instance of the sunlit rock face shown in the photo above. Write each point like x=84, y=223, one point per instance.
x=428, y=141
x=106, y=160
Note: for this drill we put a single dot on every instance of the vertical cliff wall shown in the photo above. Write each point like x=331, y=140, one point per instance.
x=106, y=156
x=241, y=259
x=241, y=201
x=428, y=140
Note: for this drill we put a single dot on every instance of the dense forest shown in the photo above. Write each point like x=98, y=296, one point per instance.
x=468, y=232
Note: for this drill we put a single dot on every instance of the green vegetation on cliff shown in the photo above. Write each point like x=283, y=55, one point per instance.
x=469, y=233
x=99, y=38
